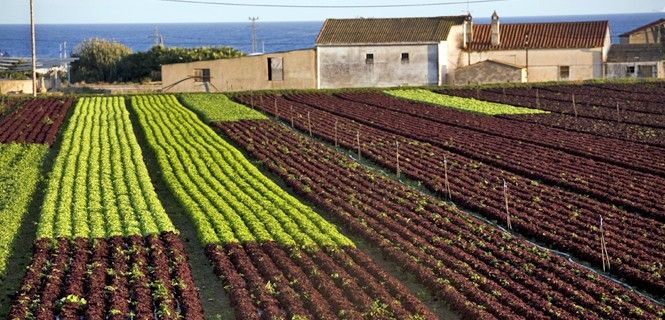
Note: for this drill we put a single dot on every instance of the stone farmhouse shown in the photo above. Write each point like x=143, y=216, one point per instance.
x=391, y=52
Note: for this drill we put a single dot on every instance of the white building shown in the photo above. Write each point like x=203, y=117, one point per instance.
x=387, y=52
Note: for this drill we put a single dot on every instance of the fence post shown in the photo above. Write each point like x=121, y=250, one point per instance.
x=445, y=174
x=309, y=124
x=603, y=247
x=537, y=99
x=397, y=156
x=336, y=132
x=505, y=196
x=358, y=141
x=574, y=106
x=291, y=116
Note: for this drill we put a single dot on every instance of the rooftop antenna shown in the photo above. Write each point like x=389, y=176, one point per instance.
x=253, y=20
x=159, y=38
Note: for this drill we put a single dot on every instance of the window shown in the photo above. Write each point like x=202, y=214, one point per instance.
x=630, y=71
x=405, y=57
x=201, y=75
x=369, y=58
x=275, y=69
x=564, y=72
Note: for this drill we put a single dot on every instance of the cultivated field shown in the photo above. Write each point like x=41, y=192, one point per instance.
x=491, y=203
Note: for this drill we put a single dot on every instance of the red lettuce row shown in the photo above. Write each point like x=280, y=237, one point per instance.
x=479, y=270
x=108, y=279
x=565, y=220
x=37, y=121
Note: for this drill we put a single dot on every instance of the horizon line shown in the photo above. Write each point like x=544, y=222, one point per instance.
x=291, y=21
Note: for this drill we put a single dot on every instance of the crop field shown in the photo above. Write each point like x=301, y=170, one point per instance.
x=541, y=202
x=260, y=239
x=105, y=247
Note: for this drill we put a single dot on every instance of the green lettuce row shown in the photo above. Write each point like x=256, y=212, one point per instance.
x=464, y=104
x=228, y=199
x=99, y=186
x=219, y=108
x=19, y=175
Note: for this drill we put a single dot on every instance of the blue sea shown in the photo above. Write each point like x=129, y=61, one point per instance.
x=272, y=36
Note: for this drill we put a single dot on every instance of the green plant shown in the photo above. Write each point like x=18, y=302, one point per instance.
x=464, y=104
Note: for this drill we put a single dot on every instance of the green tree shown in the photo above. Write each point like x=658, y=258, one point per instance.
x=98, y=60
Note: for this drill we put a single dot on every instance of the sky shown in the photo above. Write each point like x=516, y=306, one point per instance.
x=156, y=11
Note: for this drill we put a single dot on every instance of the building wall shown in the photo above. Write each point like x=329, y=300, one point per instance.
x=544, y=63
x=455, y=58
x=244, y=73
x=488, y=72
x=345, y=66
x=15, y=86
x=618, y=69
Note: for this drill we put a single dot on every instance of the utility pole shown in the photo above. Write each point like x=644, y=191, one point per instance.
x=253, y=20
x=34, y=53
x=526, y=48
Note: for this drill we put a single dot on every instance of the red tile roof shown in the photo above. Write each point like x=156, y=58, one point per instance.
x=555, y=35
x=386, y=30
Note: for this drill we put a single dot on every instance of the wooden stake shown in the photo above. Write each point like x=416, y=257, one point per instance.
x=276, y=111
x=537, y=99
x=505, y=196
x=291, y=116
x=504, y=92
x=603, y=247
x=251, y=99
x=358, y=142
x=335, y=132
x=445, y=174
x=574, y=106
x=397, y=156
x=261, y=99
x=309, y=124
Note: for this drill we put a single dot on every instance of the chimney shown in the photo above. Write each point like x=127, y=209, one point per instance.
x=496, y=33
x=468, y=30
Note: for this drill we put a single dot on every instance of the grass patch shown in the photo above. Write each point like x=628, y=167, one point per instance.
x=464, y=104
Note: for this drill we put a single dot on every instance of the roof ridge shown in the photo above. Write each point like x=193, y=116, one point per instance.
x=397, y=18
x=544, y=23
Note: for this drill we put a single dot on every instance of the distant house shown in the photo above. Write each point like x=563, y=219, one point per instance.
x=387, y=52
x=653, y=32
x=548, y=51
x=641, y=53
x=279, y=70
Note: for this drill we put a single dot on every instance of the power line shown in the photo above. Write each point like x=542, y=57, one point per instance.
x=269, y=5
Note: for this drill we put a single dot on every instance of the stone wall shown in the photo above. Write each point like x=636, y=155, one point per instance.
x=347, y=66
x=244, y=73
x=488, y=72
